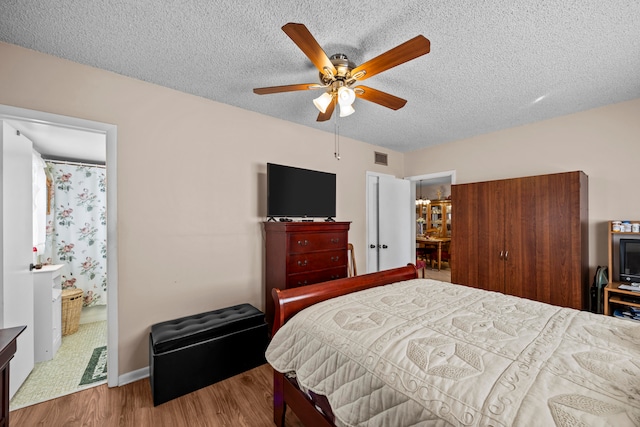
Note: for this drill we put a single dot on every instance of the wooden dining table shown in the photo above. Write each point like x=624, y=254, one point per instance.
x=433, y=242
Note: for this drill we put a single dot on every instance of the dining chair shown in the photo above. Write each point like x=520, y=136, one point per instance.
x=351, y=268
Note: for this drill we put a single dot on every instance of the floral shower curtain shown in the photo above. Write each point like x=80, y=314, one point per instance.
x=77, y=228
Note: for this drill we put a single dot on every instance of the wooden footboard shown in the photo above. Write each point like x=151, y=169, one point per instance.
x=291, y=301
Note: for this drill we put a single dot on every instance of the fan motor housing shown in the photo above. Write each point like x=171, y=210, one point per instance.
x=343, y=68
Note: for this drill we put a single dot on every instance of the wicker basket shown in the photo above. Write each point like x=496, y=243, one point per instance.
x=71, y=308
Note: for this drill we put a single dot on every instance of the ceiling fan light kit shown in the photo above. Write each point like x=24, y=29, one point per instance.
x=323, y=101
x=338, y=74
x=346, y=110
x=346, y=96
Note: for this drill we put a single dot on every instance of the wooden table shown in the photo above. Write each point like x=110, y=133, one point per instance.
x=434, y=242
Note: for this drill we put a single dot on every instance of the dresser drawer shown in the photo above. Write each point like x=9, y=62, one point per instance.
x=298, y=263
x=309, y=242
x=303, y=279
x=300, y=253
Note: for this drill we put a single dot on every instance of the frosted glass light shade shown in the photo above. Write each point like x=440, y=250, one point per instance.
x=346, y=110
x=346, y=96
x=323, y=101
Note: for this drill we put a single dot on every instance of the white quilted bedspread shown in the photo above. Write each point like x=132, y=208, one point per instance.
x=424, y=352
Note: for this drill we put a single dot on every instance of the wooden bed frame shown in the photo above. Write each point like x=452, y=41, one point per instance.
x=291, y=301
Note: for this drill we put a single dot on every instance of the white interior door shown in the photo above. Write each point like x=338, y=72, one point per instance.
x=389, y=232
x=17, y=243
x=373, y=255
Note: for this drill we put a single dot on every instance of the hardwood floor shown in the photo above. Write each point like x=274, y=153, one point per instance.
x=243, y=400
x=443, y=275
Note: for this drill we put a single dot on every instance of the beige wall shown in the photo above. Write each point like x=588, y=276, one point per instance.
x=191, y=186
x=191, y=180
x=603, y=142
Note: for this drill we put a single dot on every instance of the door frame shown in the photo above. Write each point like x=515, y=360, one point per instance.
x=437, y=176
x=110, y=131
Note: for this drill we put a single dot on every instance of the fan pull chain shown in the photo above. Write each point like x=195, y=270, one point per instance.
x=336, y=137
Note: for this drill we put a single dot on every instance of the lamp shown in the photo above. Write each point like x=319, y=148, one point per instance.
x=346, y=110
x=323, y=101
x=421, y=201
x=346, y=96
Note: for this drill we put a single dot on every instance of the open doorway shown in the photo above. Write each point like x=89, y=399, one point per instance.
x=34, y=125
x=432, y=196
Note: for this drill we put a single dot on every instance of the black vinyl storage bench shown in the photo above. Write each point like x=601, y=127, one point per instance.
x=192, y=352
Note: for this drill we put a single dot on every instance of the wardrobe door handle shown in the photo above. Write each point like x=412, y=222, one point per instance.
x=506, y=255
x=501, y=255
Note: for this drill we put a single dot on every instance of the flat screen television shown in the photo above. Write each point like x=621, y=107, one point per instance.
x=300, y=193
x=630, y=260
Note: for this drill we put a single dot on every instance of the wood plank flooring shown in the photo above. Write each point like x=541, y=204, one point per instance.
x=243, y=400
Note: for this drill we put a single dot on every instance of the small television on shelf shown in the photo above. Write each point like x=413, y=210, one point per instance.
x=300, y=193
x=630, y=260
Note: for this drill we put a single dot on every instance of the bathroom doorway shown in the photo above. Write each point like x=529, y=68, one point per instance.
x=39, y=126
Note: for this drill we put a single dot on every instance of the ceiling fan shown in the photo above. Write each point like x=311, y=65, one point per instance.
x=340, y=78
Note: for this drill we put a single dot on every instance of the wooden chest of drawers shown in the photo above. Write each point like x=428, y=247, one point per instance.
x=303, y=253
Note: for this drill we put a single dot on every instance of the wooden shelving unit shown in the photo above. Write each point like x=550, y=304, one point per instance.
x=439, y=217
x=613, y=296
x=436, y=216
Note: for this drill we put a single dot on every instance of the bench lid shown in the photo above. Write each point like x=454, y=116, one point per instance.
x=178, y=333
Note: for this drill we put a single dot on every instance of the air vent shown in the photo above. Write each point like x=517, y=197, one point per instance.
x=380, y=159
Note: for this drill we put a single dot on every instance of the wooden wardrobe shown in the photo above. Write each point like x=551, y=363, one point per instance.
x=526, y=237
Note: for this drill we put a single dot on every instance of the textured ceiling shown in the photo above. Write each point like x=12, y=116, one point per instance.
x=493, y=64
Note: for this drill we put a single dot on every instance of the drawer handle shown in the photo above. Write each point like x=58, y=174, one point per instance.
x=303, y=263
x=303, y=242
x=335, y=258
x=334, y=277
x=302, y=283
x=335, y=240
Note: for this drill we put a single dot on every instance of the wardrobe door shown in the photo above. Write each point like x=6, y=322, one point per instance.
x=527, y=236
x=545, y=240
x=477, y=235
x=564, y=212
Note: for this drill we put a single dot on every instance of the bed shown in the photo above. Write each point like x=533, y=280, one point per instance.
x=422, y=352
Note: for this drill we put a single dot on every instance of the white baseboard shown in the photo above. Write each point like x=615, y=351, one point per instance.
x=133, y=376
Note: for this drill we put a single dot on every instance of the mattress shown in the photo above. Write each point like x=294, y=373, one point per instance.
x=424, y=352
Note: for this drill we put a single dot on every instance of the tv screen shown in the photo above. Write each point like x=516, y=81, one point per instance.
x=630, y=260
x=296, y=192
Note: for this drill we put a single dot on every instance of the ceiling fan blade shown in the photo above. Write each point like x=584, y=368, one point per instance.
x=323, y=117
x=379, y=97
x=286, y=88
x=308, y=44
x=400, y=54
